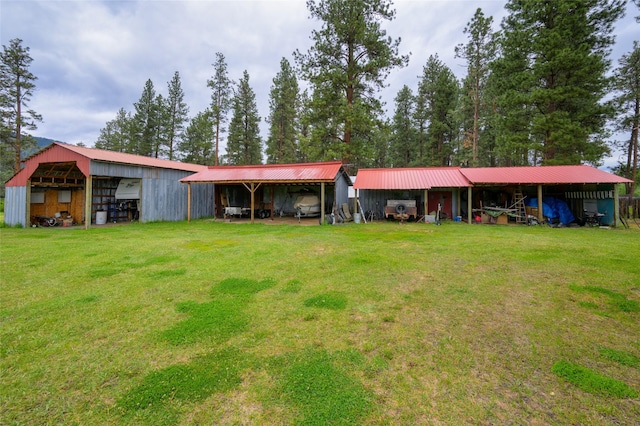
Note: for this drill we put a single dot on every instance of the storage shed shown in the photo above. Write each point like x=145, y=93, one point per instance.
x=94, y=185
x=424, y=187
x=471, y=192
x=272, y=189
x=578, y=189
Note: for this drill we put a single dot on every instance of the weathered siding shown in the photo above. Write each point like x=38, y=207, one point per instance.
x=15, y=205
x=163, y=197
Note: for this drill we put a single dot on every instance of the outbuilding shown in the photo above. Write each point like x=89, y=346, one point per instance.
x=381, y=190
x=98, y=186
x=274, y=189
x=499, y=194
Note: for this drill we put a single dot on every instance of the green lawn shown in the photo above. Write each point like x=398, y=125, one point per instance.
x=222, y=323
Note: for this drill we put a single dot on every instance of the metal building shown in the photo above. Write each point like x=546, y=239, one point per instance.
x=92, y=186
x=273, y=188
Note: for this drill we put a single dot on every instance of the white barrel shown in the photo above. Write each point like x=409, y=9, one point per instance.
x=101, y=217
x=356, y=217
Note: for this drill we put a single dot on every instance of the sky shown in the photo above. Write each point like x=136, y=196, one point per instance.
x=93, y=57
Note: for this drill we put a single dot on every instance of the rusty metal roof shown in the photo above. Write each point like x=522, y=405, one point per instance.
x=579, y=174
x=411, y=178
x=280, y=173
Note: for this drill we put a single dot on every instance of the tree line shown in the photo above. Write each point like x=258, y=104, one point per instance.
x=539, y=89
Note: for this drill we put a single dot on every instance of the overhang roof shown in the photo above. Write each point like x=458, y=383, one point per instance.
x=579, y=174
x=269, y=173
x=411, y=178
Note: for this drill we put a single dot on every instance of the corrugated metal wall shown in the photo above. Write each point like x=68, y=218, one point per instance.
x=163, y=197
x=15, y=205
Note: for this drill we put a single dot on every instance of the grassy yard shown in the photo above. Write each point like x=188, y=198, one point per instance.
x=377, y=324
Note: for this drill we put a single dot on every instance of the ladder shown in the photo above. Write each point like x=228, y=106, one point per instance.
x=519, y=207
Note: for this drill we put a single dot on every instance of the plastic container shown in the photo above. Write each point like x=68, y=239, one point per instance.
x=101, y=217
x=357, y=217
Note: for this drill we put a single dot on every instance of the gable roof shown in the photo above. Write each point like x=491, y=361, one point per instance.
x=411, y=178
x=59, y=152
x=533, y=175
x=123, y=158
x=274, y=173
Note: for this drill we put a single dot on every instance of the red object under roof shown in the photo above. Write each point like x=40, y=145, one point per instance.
x=579, y=174
x=285, y=173
x=410, y=178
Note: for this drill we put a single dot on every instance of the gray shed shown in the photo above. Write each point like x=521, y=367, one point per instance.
x=86, y=183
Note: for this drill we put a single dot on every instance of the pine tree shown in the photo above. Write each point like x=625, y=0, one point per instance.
x=283, y=102
x=435, y=113
x=115, y=136
x=403, y=145
x=553, y=73
x=627, y=101
x=221, y=86
x=197, y=144
x=244, y=145
x=479, y=51
x=16, y=88
x=350, y=58
x=176, y=115
x=145, y=123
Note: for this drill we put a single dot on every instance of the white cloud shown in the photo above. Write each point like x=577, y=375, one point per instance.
x=93, y=57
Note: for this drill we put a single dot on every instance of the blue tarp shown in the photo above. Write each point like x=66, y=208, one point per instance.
x=553, y=208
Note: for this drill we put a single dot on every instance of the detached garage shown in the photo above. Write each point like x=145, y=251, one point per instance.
x=93, y=186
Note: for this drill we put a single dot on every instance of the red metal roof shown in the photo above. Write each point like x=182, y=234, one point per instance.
x=410, y=178
x=137, y=160
x=60, y=152
x=579, y=174
x=303, y=172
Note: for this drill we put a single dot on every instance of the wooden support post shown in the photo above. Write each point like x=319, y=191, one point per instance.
x=616, y=205
x=470, y=204
x=88, y=199
x=189, y=202
x=27, y=208
x=253, y=201
x=540, y=212
x=271, y=204
x=321, y=203
x=426, y=204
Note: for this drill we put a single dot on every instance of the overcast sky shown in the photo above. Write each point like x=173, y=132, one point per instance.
x=93, y=57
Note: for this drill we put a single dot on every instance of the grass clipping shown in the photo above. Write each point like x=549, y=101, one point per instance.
x=592, y=382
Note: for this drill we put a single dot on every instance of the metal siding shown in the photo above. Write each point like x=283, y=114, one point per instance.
x=15, y=205
x=341, y=190
x=202, y=201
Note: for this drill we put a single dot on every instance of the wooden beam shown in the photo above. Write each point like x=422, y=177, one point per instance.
x=426, y=204
x=470, y=204
x=28, y=206
x=616, y=205
x=88, y=198
x=253, y=201
x=540, y=212
x=322, y=203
